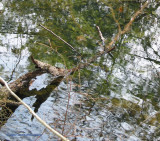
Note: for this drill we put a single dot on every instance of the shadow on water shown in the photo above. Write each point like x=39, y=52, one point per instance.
x=40, y=95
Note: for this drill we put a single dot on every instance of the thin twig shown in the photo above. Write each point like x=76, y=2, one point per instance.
x=60, y=39
x=33, y=113
x=13, y=71
x=59, y=54
x=101, y=36
x=10, y=102
x=113, y=14
x=69, y=95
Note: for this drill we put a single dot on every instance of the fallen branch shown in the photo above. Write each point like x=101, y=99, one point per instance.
x=55, y=71
x=32, y=112
x=25, y=80
x=19, y=83
x=9, y=102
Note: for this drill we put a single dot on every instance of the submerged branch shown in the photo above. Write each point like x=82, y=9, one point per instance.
x=19, y=83
x=149, y=59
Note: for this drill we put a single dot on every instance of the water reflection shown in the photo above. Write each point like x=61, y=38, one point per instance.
x=115, y=98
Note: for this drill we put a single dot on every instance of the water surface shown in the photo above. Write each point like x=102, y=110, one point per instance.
x=114, y=98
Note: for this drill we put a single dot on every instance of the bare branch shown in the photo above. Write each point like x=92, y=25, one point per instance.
x=113, y=14
x=101, y=36
x=127, y=27
x=60, y=39
x=9, y=102
x=55, y=71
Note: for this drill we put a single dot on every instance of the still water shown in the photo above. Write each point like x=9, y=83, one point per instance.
x=116, y=98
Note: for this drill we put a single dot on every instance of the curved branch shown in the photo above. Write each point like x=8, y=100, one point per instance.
x=32, y=112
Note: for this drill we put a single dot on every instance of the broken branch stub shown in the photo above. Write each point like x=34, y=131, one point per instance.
x=49, y=68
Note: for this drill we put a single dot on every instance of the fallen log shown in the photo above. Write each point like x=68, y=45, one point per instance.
x=21, y=86
x=7, y=102
x=26, y=79
x=33, y=113
x=18, y=84
x=55, y=71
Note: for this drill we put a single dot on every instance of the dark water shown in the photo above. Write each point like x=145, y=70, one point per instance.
x=114, y=98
